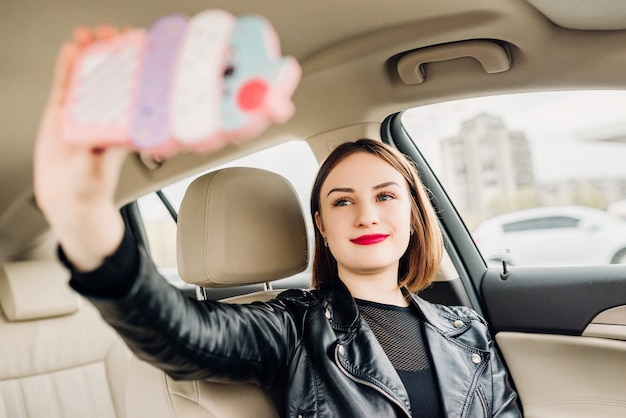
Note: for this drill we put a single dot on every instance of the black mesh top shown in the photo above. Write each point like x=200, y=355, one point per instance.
x=399, y=331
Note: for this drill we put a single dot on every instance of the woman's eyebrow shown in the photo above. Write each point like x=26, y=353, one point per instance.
x=341, y=190
x=351, y=190
x=386, y=184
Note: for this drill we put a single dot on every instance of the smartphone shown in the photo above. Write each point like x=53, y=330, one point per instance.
x=191, y=84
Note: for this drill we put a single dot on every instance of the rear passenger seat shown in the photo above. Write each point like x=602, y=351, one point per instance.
x=57, y=357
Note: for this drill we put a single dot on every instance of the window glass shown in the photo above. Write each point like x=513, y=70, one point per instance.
x=293, y=160
x=548, y=222
x=550, y=165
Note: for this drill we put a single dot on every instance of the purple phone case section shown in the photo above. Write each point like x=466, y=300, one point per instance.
x=151, y=120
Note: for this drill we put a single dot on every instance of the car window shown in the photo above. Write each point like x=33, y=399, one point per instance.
x=546, y=222
x=536, y=176
x=293, y=160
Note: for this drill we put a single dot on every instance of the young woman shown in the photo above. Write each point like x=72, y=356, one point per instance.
x=361, y=344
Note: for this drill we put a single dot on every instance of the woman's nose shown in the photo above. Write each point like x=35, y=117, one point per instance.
x=366, y=214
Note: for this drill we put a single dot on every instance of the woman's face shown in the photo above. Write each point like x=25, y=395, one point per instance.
x=365, y=215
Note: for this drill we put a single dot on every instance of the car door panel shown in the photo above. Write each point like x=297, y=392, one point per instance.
x=562, y=333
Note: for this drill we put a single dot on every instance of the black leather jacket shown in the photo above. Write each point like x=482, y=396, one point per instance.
x=310, y=349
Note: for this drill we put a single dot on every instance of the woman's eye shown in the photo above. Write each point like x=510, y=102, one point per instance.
x=384, y=197
x=341, y=202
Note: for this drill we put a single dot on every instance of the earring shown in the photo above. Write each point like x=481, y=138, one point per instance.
x=325, y=242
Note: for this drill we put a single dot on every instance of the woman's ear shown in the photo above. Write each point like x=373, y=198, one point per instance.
x=318, y=223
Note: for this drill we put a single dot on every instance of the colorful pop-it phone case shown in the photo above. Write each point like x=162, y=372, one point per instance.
x=182, y=85
x=150, y=126
x=102, y=90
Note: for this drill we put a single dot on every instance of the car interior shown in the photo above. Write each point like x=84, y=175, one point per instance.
x=366, y=67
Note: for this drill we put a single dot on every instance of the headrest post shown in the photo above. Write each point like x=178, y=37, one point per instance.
x=201, y=293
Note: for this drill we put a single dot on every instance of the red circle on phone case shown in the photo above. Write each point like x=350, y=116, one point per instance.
x=252, y=94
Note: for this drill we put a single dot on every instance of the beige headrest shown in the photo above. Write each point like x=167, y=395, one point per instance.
x=240, y=226
x=35, y=289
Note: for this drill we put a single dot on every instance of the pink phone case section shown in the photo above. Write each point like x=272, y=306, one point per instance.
x=102, y=90
x=150, y=126
x=184, y=84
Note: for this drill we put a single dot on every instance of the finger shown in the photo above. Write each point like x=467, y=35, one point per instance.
x=47, y=136
x=82, y=35
x=65, y=58
x=104, y=163
x=117, y=156
x=105, y=31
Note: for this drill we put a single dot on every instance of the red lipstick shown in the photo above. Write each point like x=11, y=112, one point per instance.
x=369, y=239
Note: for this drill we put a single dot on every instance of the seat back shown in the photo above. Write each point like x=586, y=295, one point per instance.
x=236, y=226
x=57, y=356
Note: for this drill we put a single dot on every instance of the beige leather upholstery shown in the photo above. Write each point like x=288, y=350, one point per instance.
x=152, y=394
x=559, y=376
x=26, y=295
x=236, y=226
x=240, y=226
x=57, y=357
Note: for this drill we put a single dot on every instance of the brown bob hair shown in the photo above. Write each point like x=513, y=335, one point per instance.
x=420, y=262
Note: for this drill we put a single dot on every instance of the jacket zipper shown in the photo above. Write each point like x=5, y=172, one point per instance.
x=483, y=401
x=371, y=385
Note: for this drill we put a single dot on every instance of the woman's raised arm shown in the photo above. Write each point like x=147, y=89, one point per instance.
x=75, y=185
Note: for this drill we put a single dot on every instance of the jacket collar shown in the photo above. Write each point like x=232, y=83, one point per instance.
x=339, y=305
x=444, y=321
x=343, y=313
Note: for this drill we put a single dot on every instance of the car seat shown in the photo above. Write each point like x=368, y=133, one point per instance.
x=236, y=226
x=57, y=356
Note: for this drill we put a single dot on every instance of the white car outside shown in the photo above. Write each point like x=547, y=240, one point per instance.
x=567, y=235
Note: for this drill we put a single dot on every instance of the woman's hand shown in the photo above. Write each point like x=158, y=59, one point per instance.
x=75, y=185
